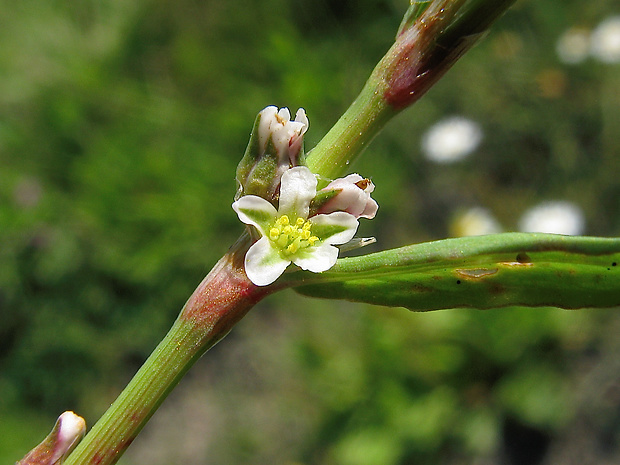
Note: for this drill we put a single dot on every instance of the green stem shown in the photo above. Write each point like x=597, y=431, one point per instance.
x=422, y=53
x=219, y=302
x=352, y=132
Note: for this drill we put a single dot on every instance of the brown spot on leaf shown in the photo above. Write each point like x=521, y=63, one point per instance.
x=476, y=273
x=522, y=257
x=419, y=288
x=497, y=289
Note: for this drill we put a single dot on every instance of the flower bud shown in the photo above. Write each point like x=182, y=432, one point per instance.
x=67, y=433
x=286, y=135
x=352, y=195
x=276, y=144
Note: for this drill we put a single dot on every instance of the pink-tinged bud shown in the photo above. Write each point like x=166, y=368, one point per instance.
x=67, y=433
x=276, y=145
x=71, y=430
x=353, y=197
x=287, y=136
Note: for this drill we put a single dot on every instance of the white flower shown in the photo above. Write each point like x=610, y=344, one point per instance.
x=354, y=197
x=451, y=140
x=476, y=221
x=605, y=40
x=287, y=235
x=286, y=135
x=556, y=217
x=573, y=46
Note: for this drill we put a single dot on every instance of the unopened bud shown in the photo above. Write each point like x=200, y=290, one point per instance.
x=276, y=145
x=350, y=194
x=67, y=433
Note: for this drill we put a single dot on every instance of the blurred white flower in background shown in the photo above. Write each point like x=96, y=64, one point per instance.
x=451, y=139
x=558, y=217
x=605, y=40
x=573, y=46
x=476, y=221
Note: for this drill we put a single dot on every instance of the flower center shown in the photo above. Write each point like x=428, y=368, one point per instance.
x=290, y=237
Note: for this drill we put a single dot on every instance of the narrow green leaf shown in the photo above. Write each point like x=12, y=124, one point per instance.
x=512, y=269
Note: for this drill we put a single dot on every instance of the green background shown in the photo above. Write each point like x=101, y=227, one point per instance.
x=121, y=124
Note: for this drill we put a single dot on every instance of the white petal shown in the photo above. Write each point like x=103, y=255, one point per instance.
x=371, y=209
x=263, y=263
x=318, y=259
x=298, y=188
x=284, y=115
x=348, y=179
x=335, y=228
x=256, y=211
x=301, y=117
x=267, y=119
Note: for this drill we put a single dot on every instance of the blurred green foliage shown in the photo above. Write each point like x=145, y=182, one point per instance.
x=121, y=126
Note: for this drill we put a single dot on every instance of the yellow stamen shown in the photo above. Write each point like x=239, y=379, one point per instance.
x=290, y=238
x=293, y=247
